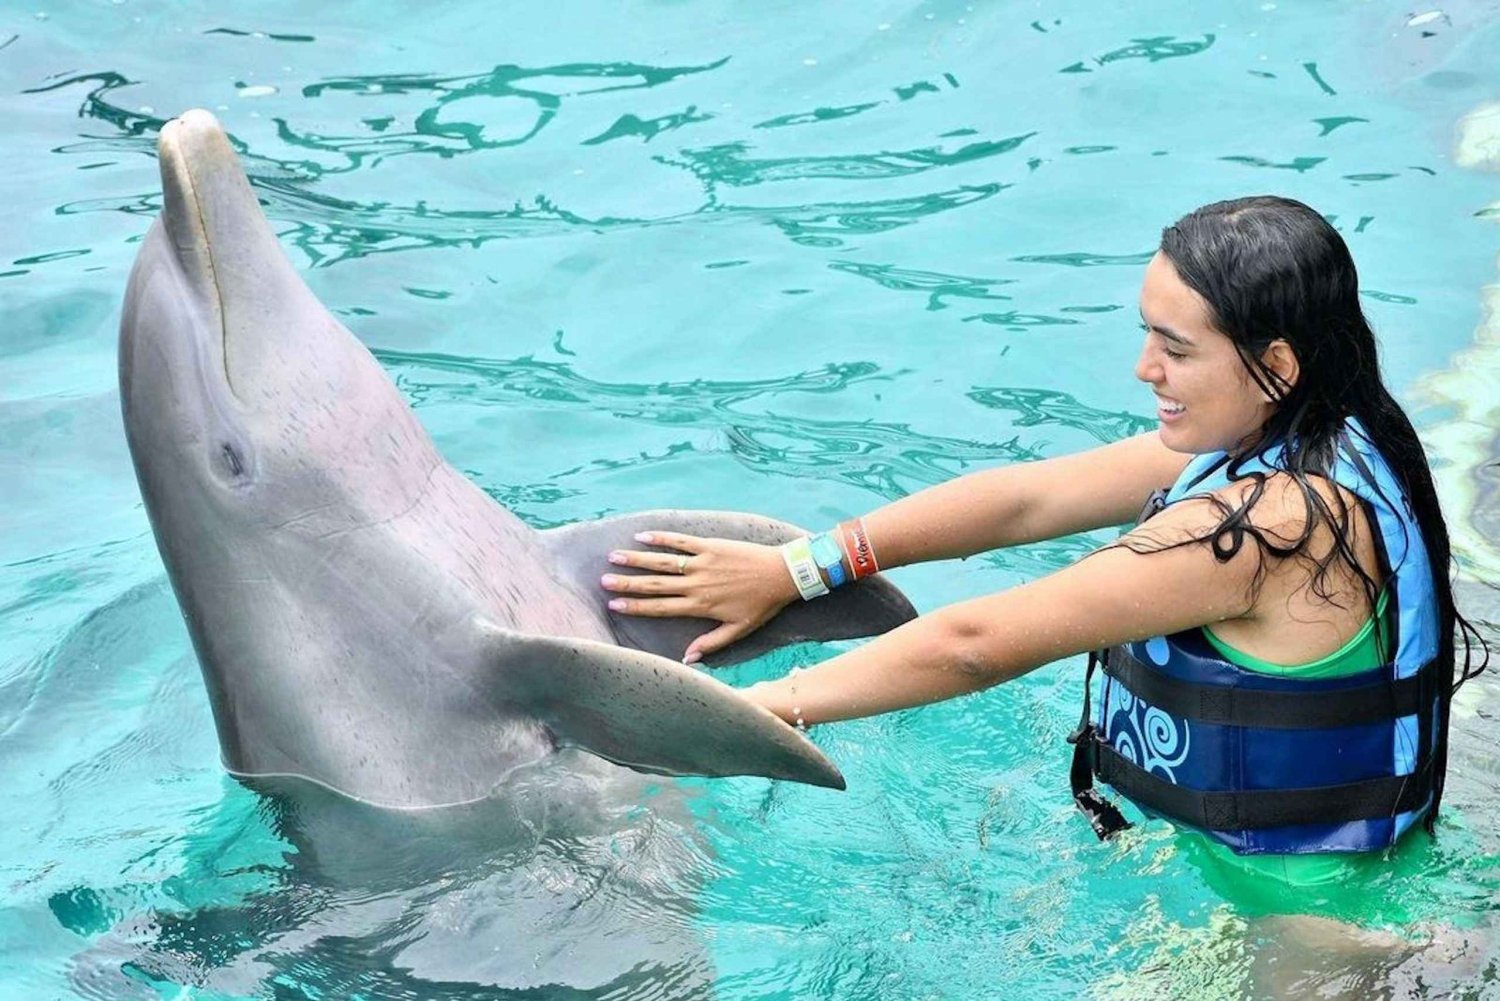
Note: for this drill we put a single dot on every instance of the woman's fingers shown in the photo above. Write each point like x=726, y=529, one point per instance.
x=714, y=640
x=660, y=608
x=673, y=563
x=671, y=540
x=622, y=583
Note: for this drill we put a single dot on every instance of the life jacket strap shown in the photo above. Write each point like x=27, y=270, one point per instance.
x=1383, y=701
x=1257, y=809
x=1103, y=816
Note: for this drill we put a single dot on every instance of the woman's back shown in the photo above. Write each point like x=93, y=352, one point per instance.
x=1296, y=616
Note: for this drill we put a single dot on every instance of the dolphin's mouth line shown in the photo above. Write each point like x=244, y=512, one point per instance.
x=213, y=276
x=213, y=270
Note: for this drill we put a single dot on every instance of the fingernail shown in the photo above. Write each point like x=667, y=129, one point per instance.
x=617, y=604
x=617, y=557
x=643, y=536
x=692, y=658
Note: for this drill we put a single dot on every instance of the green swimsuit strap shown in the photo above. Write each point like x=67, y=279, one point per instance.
x=1364, y=650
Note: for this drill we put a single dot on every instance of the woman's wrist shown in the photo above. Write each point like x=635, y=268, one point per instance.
x=830, y=560
x=820, y=563
x=803, y=567
x=780, y=697
x=854, y=539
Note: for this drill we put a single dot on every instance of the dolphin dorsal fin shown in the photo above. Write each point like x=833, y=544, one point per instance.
x=581, y=550
x=646, y=712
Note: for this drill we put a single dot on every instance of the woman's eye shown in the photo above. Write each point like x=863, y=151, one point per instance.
x=1166, y=344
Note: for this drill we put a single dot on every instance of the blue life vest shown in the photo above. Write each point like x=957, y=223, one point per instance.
x=1269, y=764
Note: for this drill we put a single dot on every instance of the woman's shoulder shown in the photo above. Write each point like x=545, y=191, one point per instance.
x=1274, y=500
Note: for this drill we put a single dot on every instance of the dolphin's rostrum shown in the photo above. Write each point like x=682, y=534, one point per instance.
x=364, y=616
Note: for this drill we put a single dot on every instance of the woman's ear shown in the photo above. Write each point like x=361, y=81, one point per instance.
x=1282, y=360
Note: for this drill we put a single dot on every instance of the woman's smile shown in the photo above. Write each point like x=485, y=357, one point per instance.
x=1168, y=409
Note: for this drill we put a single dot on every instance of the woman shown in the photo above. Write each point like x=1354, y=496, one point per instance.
x=1277, y=639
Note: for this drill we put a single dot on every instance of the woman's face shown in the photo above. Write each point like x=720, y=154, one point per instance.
x=1205, y=399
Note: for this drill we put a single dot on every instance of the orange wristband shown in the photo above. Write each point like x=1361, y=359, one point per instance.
x=857, y=544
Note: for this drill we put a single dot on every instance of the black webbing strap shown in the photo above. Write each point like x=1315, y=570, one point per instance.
x=1261, y=808
x=1383, y=701
x=1103, y=816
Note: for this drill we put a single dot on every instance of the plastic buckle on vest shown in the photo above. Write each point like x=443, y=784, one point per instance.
x=1103, y=816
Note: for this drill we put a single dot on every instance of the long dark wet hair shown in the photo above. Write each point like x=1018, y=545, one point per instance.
x=1271, y=268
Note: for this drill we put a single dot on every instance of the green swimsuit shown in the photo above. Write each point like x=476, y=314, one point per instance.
x=1365, y=649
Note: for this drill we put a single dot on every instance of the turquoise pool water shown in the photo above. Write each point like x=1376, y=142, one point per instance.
x=768, y=257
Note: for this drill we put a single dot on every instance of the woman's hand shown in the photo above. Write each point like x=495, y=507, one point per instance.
x=739, y=584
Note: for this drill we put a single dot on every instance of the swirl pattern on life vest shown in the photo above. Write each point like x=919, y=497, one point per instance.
x=1148, y=736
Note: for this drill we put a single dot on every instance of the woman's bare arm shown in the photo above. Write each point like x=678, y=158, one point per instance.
x=1024, y=502
x=741, y=585
x=1111, y=597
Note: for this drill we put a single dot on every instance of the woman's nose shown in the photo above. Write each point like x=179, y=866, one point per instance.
x=1147, y=368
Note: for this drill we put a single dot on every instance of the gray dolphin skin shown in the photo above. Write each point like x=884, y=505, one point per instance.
x=364, y=616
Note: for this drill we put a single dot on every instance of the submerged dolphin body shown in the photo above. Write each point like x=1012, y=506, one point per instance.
x=364, y=616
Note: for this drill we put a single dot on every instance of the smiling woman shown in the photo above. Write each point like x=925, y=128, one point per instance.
x=1288, y=697
x=1187, y=363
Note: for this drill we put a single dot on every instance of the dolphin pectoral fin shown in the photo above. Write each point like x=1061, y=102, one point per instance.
x=646, y=712
x=867, y=608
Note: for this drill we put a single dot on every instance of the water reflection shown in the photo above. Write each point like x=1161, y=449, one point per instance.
x=134, y=124
x=1019, y=321
x=329, y=229
x=647, y=129
x=828, y=225
x=426, y=379
x=1328, y=125
x=1034, y=407
x=1157, y=48
x=432, y=130
x=1153, y=49
x=439, y=127
x=729, y=163
x=1081, y=259
x=938, y=286
x=886, y=459
x=273, y=36
x=545, y=890
x=816, y=115
x=1300, y=164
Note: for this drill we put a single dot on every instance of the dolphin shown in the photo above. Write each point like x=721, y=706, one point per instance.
x=364, y=616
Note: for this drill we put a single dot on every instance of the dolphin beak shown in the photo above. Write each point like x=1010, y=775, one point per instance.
x=182, y=213
x=208, y=201
x=229, y=254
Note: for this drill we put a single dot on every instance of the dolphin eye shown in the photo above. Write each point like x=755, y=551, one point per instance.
x=231, y=459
